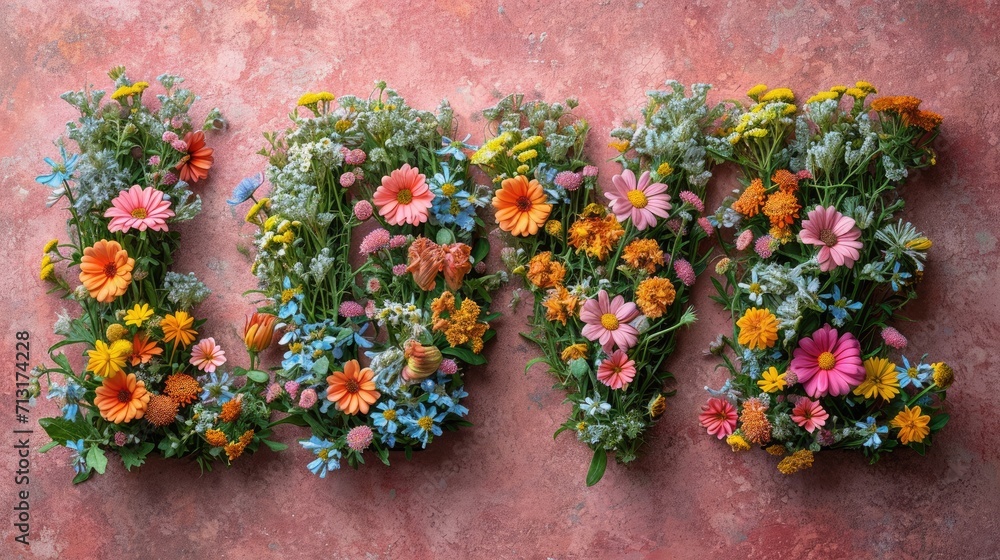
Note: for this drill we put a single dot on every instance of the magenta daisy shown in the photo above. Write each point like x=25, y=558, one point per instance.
x=607, y=321
x=617, y=371
x=140, y=209
x=639, y=200
x=207, y=355
x=836, y=235
x=828, y=364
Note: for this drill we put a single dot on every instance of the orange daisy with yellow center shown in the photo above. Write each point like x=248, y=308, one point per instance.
x=520, y=206
x=353, y=390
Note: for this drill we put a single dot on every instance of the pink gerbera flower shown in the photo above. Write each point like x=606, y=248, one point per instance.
x=207, y=355
x=617, y=371
x=139, y=208
x=809, y=414
x=835, y=234
x=404, y=197
x=719, y=417
x=641, y=201
x=608, y=321
x=828, y=364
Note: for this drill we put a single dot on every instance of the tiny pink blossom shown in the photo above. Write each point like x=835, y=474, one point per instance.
x=169, y=179
x=448, y=367
x=121, y=438
x=764, y=246
x=292, y=388
x=692, y=199
x=207, y=355
x=706, y=226
x=360, y=437
x=169, y=137
x=398, y=241
x=744, y=240
x=375, y=241
x=569, y=180
x=351, y=309
x=355, y=157
x=374, y=285
x=684, y=271
x=590, y=171
x=803, y=175
x=347, y=179
x=308, y=398
x=370, y=309
x=894, y=338
x=398, y=269
x=273, y=391
x=363, y=210
x=154, y=161
x=179, y=145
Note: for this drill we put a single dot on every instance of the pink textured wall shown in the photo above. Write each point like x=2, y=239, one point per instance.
x=505, y=489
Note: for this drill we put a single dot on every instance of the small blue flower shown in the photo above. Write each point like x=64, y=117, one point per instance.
x=454, y=148
x=428, y=385
x=594, y=406
x=915, y=375
x=872, y=431
x=898, y=277
x=217, y=388
x=423, y=423
x=290, y=299
x=456, y=397
x=60, y=171
x=77, y=461
x=385, y=421
x=245, y=189
x=327, y=456
x=451, y=204
x=359, y=338
x=71, y=393
x=838, y=306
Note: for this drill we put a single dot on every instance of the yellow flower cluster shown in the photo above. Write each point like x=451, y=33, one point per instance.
x=462, y=324
x=312, y=99
x=127, y=91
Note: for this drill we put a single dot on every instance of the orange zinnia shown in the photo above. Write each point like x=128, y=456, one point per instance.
x=143, y=349
x=106, y=270
x=122, y=398
x=352, y=389
x=195, y=165
x=521, y=207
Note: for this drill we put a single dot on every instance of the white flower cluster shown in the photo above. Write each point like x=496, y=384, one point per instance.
x=799, y=288
x=399, y=314
x=185, y=290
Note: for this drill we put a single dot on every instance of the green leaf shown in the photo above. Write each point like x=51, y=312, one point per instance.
x=63, y=362
x=533, y=362
x=274, y=445
x=480, y=250
x=466, y=355
x=82, y=476
x=597, y=466
x=135, y=456
x=579, y=368
x=445, y=236
x=321, y=366
x=62, y=430
x=259, y=376
x=96, y=459
x=939, y=422
x=48, y=446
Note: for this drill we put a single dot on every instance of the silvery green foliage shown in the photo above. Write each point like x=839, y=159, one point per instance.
x=402, y=126
x=185, y=290
x=562, y=142
x=893, y=171
x=99, y=178
x=798, y=288
x=609, y=434
x=674, y=130
x=320, y=265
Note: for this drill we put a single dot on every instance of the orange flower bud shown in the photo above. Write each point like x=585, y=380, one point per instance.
x=426, y=260
x=421, y=361
x=456, y=264
x=258, y=331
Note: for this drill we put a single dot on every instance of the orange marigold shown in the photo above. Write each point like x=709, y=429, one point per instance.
x=216, y=438
x=462, y=324
x=756, y=427
x=161, y=410
x=654, y=295
x=908, y=108
x=545, y=273
x=561, y=305
x=786, y=180
x=574, y=352
x=782, y=207
x=782, y=234
x=183, y=388
x=751, y=200
x=596, y=236
x=235, y=448
x=644, y=254
x=231, y=409
x=800, y=460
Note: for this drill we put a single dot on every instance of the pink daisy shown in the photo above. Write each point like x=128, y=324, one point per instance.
x=404, y=197
x=207, y=355
x=894, y=338
x=617, y=371
x=608, y=321
x=139, y=208
x=809, y=414
x=835, y=234
x=828, y=364
x=719, y=417
x=639, y=200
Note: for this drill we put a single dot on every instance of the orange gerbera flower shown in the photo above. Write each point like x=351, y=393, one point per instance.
x=521, y=207
x=178, y=328
x=143, y=349
x=751, y=200
x=106, y=270
x=353, y=390
x=195, y=165
x=122, y=398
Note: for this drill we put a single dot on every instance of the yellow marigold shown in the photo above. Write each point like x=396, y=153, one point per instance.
x=161, y=411
x=527, y=155
x=839, y=90
x=122, y=91
x=737, y=442
x=529, y=142
x=664, y=170
x=823, y=96
x=654, y=295
x=856, y=93
x=657, y=406
x=216, y=438
x=560, y=305
x=778, y=94
x=544, y=272
x=595, y=236
x=235, y=449
x=781, y=234
x=574, y=352
x=912, y=424
x=865, y=86
x=181, y=387
x=115, y=332
x=621, y=146
x=644, y=254
x=750, y=202
x=758, y=329
x=800, y=460
x=756, y=91
x=944, y=376
x=782, y=208
x=776, y=450
x=462, y=325
x=553, y=227
x=231, y=409
x=50, y=246
x=309, y=98
x=755, y=425
x=523, y=169
x=47, y=272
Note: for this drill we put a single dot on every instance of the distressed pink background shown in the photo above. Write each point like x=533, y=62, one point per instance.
x=505, y=489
